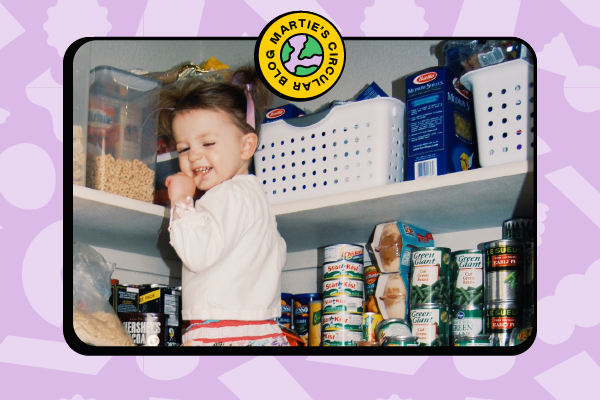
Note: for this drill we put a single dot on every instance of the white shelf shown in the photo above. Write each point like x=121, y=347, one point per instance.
x=477, y=199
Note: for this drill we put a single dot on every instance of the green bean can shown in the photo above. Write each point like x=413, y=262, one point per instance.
x=472, y=340
x=504, y=270
x=430, y=323
x=467, y=281
x=430, y=280
x=467, y=321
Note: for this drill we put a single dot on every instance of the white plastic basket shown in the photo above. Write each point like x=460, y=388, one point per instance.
x=356, y=146
x=503, y=100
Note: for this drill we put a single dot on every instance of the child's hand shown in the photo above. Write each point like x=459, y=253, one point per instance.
x=180, y=186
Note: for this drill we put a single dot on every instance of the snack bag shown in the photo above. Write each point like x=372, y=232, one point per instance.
x=94, y=320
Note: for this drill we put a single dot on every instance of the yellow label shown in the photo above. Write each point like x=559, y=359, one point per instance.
x=150, y=296
x=300, y=55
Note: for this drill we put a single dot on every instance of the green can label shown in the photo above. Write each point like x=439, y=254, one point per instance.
x=467, y=322
x=351, y=322
x=340, y=304
x=343, y=287
x=430, y=280
x=468, y=282
x=430, y=325
x=343, y=269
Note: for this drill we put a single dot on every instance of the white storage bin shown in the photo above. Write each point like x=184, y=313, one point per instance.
x=503, y=99
x=355, y=146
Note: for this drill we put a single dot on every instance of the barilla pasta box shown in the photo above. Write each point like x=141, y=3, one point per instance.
x=284, y=112
x=440, y=124
x=390, y=248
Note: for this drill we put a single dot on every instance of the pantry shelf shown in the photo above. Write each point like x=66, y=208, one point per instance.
x=481, y=198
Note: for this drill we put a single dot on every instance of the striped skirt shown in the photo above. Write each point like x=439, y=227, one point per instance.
x=234, y=333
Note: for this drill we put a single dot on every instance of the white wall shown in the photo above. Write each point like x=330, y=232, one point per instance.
x=386, y=62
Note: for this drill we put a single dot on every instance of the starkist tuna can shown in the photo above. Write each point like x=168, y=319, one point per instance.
x=343, y=269
x=341, y=338
x=301, y=313
x=342, y=304
x=349, y=322
x=286, y=310
x=343, y=252
x=343, y=287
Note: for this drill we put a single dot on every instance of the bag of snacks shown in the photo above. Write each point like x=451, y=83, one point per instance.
x=94, y=320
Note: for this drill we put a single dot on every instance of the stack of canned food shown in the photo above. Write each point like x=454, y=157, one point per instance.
x=476, y=297
x=150, y=313
x=430, y=295
x=307, y=307
x=343, y=294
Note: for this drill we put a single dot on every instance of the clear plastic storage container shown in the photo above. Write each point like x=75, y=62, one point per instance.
x=121, y=139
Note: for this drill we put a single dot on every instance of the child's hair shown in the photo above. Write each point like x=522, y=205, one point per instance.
x=229, y=97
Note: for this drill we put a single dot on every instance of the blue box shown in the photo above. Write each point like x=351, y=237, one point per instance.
x=440, y=127
x=371, y=92
x=284, y=112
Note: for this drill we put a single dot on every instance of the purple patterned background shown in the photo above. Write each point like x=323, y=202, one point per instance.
x=563, y=363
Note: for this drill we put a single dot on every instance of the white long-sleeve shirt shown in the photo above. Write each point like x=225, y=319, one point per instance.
x=232, y=254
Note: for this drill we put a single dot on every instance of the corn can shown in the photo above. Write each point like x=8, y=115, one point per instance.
x=314, y=329
x=370, y=321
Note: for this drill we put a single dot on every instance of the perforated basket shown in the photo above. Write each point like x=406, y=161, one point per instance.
x=355, y=146
x=503, y=100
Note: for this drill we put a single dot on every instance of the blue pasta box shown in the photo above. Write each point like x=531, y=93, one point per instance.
x=440, y=125
x=284, y=112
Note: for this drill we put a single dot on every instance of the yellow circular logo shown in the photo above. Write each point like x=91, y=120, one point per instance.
x=300, y=55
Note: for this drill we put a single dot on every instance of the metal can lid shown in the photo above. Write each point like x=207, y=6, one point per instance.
x=472, y=337
x=502, y=304
x=367, y=343
x=470, y=307
x=432, y=248
x=159, y=285
x=503, y=242
x=428, y=305
x=518, y=228
x=385, y=322
x=401, y=339
x=469, y=251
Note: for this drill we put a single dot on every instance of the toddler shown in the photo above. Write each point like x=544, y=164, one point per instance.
x=228, y=241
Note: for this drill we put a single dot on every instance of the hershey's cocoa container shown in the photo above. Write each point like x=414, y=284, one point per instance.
x=146, y=329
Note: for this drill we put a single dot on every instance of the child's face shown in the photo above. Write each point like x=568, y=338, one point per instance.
x=209, y=144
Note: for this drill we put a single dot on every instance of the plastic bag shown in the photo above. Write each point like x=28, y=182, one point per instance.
x=94, y=320
x=466, y=55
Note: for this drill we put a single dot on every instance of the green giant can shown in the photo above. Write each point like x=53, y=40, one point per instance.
x=467, y=278
x=430, y=275
x=430, y=323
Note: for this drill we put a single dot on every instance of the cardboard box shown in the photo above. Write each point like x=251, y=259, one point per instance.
x=440, y=125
